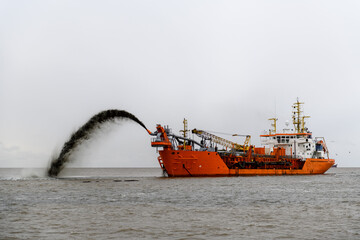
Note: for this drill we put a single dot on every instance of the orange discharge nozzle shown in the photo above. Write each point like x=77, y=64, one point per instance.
x=148, y=131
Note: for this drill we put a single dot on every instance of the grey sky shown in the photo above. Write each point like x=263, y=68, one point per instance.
x=224, y=65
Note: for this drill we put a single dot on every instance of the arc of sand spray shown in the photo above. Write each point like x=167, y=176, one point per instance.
x=84, y=132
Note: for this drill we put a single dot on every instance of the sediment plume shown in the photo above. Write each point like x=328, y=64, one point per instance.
x=84, y=133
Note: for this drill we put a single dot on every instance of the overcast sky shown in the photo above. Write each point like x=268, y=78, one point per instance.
x=226, y=66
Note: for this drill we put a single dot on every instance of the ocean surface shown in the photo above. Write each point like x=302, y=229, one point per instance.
x=141, y=204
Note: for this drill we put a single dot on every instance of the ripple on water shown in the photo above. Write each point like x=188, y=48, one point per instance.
x=298, y=207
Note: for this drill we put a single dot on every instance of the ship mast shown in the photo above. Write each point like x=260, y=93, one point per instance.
x=298, y=119
x=273, y=131
x=185, y=131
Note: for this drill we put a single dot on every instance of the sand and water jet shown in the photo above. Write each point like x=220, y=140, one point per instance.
x=84, y=133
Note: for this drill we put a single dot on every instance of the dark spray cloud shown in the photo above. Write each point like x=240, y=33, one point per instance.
x=84, y=133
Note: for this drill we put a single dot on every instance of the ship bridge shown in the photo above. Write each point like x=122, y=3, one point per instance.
x=293, y=144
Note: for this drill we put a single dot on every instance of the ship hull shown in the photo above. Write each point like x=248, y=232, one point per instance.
x=179, y=163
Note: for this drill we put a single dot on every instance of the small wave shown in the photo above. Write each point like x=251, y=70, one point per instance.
x=23, y=174
x=18, y=178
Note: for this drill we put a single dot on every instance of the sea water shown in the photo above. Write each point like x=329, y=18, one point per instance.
x=142, y=204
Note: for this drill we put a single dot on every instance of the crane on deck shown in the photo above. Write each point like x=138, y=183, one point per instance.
x=224, y=142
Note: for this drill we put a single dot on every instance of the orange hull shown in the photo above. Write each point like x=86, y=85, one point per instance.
x=180, y=163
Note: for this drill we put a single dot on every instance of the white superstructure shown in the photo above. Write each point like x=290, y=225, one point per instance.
x=297, y=143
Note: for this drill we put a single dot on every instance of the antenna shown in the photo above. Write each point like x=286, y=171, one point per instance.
x=275, y=106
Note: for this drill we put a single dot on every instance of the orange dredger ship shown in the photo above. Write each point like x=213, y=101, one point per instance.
x=292, y=152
